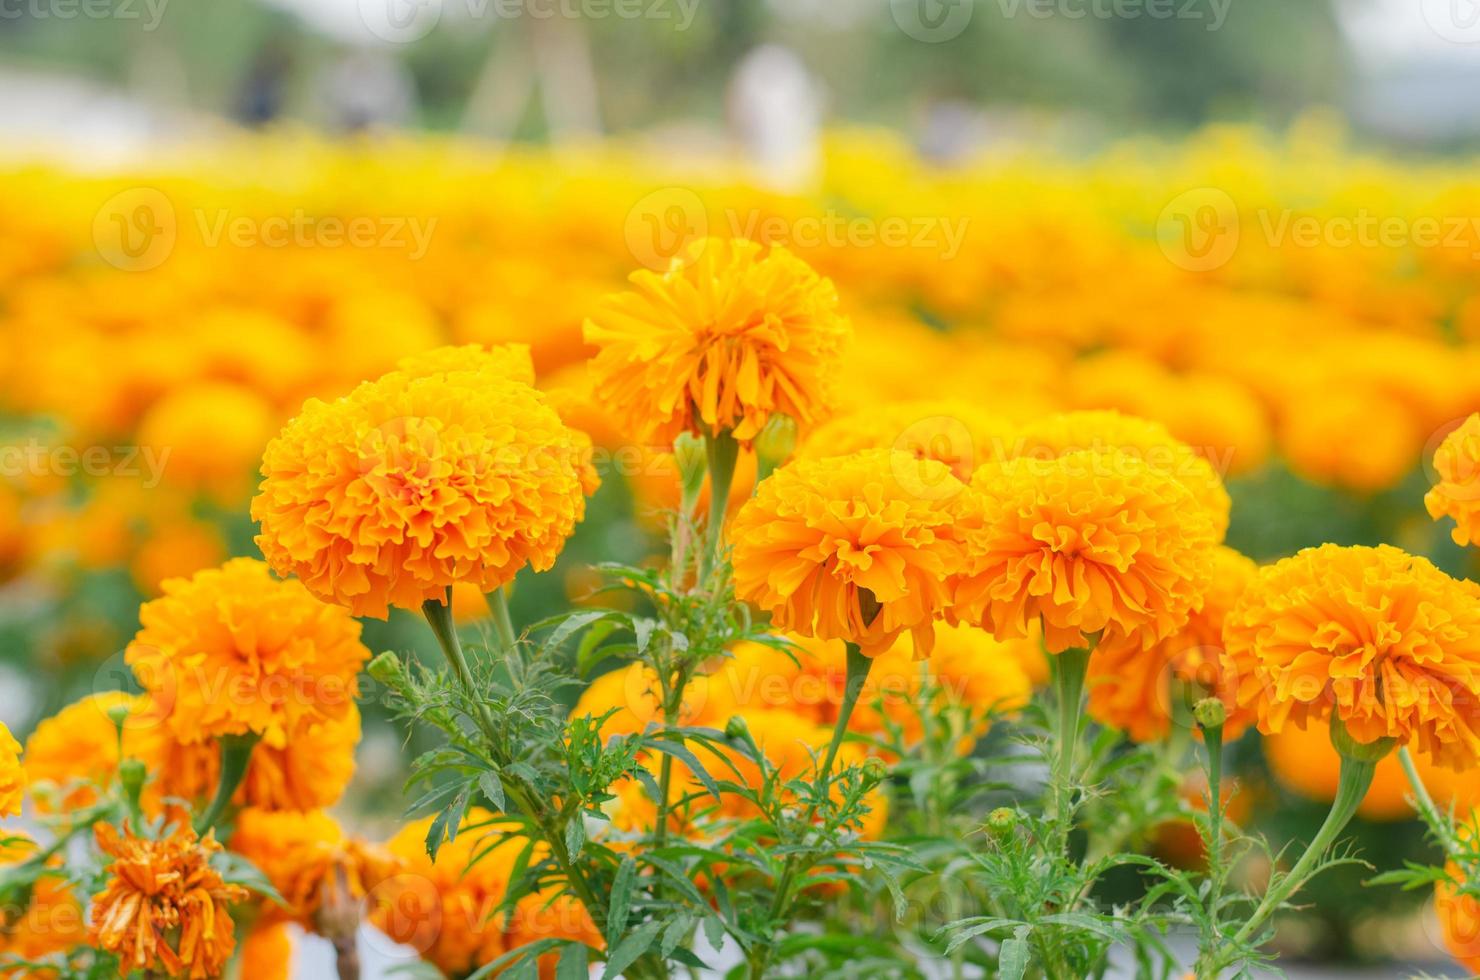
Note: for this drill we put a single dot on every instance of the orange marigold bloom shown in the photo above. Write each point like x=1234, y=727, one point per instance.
x=1150, y=442
x=1132, y=687
x=1457, y=492
x=232, y=650
x=267, y=953
x=76, y=750
x=408, y=485
x=857, y=548
x=731, y=333
x=51, y=921
x=309, y=772
x=1090, y=542
x=1383, y=638
x=446, y=909
x=957, y=433
x=509, y=361
x=307, y=858
x=12, y=774
x=164, y=909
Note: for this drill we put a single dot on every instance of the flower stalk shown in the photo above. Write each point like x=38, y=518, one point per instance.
x=236, y=754
x=1070, y=668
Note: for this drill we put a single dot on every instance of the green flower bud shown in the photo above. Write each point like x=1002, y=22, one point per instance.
x=874, y=770
x=1001, y=822
x=1210, y=713
x=736, y=728
x=389, y=671
x=777, y=440
x=688, y=451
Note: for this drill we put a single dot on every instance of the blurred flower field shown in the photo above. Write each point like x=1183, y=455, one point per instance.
x=1289, y=325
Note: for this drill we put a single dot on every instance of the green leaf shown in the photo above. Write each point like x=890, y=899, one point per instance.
x=628, y=950
x=1013, y=959
x=575, y=622
x=573, y=964
x=493, y=788
x=531, y=952
x=682, y=754
x=620, y=906
x=575, y=835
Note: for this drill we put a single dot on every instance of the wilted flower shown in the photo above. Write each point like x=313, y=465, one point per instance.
x=307, y=857
x=730, y=334
x=164, y=909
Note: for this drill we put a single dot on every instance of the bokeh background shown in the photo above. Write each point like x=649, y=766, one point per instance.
x=210, y=211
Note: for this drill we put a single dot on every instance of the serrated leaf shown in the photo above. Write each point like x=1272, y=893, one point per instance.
x=628, y=950
x=573, y=964
x=682, y=754
x=620, y=905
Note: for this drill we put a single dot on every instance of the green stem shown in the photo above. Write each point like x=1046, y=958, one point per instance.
x=502, y=621
x=857, y=670
x=722, y=451
x=1213, y=741
x=1356, y=777
x=236, y=754
x=1071, y=667
x=672, y=705
x=1427, y=808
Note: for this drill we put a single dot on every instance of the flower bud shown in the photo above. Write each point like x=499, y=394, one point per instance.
x=688, y=452
x=1210, y=713
x=118, y=714
x=777, y=440
x=874, y=770
x=389, y=671
x=736, y=728
x=1001, y=822
x=132, y=774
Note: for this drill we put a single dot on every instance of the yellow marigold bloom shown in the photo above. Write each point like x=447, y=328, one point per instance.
x=508, y=361
x=1316, y=430
x=179, y=547
x=445, y=909
x=1132, y=687
x=209, y=436
x=12, y=774
x=76, y=750
x=406, y=486
x=731, y=333
x=231, y=650
x=1150, y=442
x=1456, y=493
x=164, y=909
x=1090, y=542
x=1383, y=638
x=857, y=548
x=956, y=433
x=306, y=856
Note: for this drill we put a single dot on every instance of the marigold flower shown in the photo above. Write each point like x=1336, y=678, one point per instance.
x=731, y=333
x=406, y=486
x=857, y=548
x=446, y=909
x=164, y=909
x=1131, y=687
x=267, y=953
x=1456, y=494
x=1090, y=542
x=1385, y=639
x=957, y=433
x=231, y=651
x=306, y=856
x=76, y=750
x=209, y=436
x=1150, y=442
x=12, y=774
x=309, y=772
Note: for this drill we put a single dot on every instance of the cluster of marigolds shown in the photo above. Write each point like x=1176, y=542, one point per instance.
x=993, y=502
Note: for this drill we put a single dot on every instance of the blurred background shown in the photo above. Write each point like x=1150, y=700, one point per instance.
x=1301, y=359
x=117, y=75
